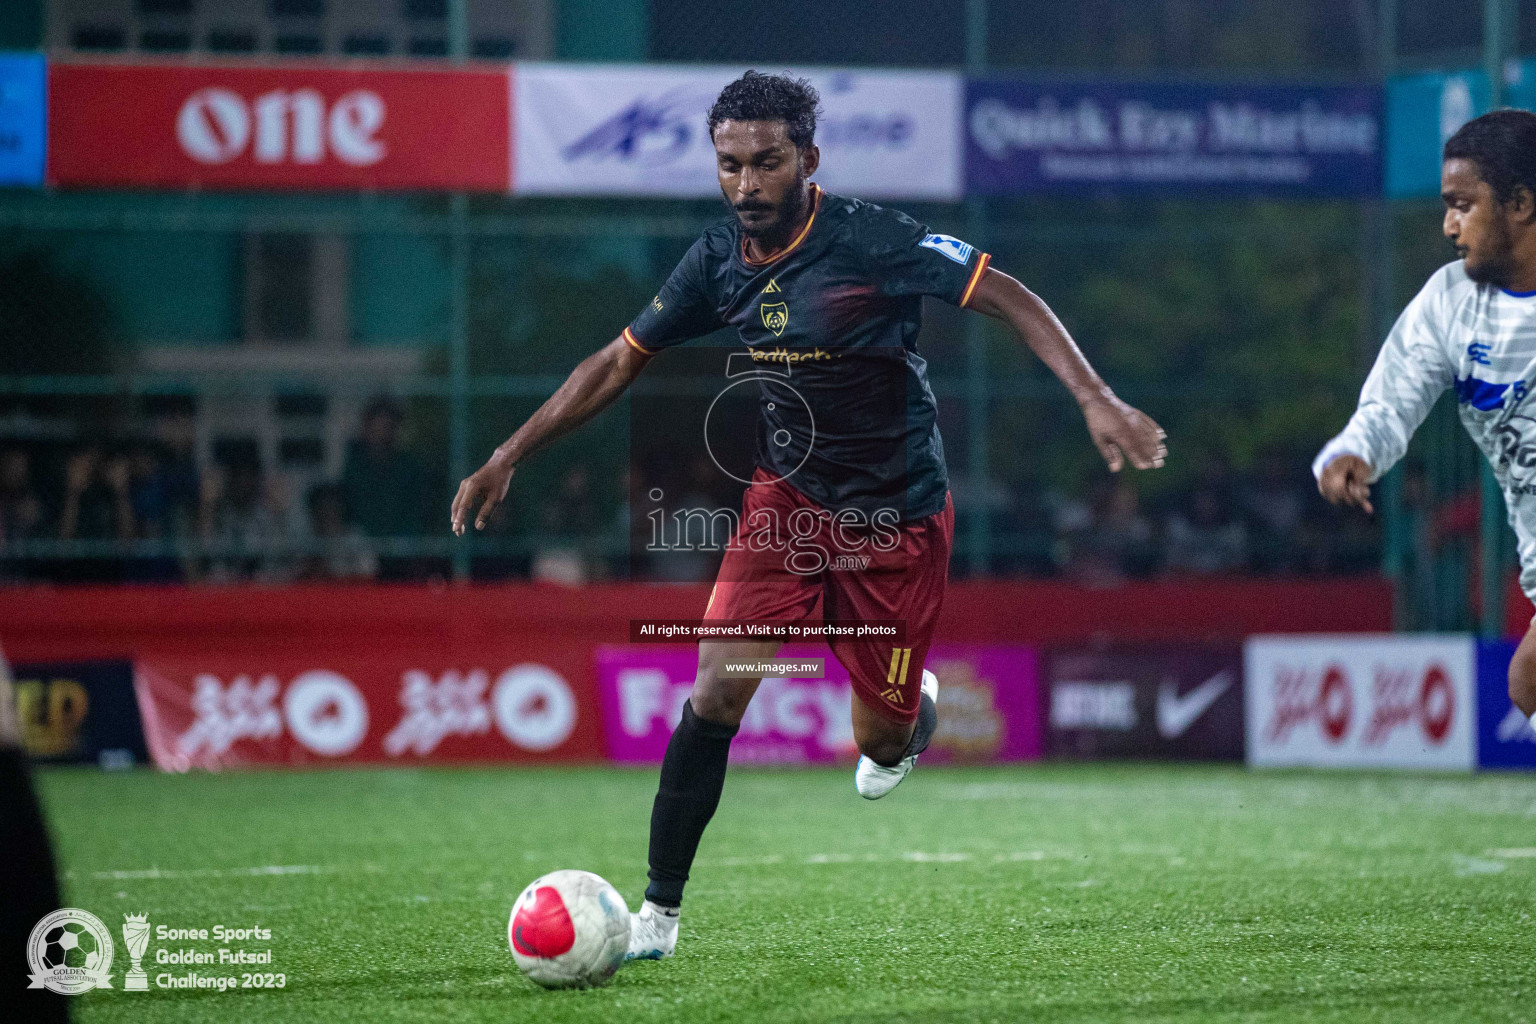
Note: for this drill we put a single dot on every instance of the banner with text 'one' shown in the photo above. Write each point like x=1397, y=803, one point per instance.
x=295, y=125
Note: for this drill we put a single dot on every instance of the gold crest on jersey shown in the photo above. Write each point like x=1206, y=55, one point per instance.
x=775, y=317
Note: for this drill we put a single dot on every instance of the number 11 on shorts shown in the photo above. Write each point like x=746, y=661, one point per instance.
x=897, y=675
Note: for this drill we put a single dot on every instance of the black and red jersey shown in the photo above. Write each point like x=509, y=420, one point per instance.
x=846, y=412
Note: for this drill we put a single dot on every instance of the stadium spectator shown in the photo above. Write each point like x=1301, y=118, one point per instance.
x=1273, y=501
x=1204, y=536
x=245, y=520
x=687, y=531
x=1024, y=530
x=385, y=486
x=21, y=507
x=1118, y=542
x=96, y=503
x=347, y=555
x=174, y=434
x=21, y=511
x=567, y=523
x=95, y=507
x=974, y=498
x=155, y=518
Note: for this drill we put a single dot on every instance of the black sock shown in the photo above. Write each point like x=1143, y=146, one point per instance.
x=692, y=776
x=922, y=733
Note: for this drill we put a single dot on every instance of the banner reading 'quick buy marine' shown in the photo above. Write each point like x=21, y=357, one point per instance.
x=1032, y=136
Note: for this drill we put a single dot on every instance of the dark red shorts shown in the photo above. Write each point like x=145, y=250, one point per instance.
x=898, y=572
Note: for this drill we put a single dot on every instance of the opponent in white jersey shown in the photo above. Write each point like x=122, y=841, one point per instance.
x=1472, y=329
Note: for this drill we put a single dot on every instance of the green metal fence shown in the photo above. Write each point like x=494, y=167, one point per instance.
x=1245, y=327
x=1237, y=325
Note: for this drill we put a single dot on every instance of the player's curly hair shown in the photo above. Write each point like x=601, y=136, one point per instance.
x=1503, y=145
x=759, y=97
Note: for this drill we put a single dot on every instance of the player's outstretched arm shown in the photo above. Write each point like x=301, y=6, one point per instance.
x=1345, y=480
x=592, y=387
x=1119, y=431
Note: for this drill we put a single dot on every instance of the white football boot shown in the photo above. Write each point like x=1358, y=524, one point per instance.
x=874, y=780
x=652, y=934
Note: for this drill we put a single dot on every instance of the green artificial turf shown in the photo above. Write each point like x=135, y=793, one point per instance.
x=1049, y=893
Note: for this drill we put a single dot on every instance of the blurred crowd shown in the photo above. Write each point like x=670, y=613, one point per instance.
x=1266, y=522
x=148, y=510
x=1269, y=521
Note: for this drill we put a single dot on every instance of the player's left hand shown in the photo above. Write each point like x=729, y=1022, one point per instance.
x=480, y=494
x=1122, y=432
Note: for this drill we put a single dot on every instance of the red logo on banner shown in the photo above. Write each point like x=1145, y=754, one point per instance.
x=1437, y=704
x=1335, y=703
x=1302, y=697
x=361, y=709
x=302, y=125
x=1398, y=702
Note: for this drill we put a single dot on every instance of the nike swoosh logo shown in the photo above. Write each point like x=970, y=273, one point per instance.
x=1175, y=714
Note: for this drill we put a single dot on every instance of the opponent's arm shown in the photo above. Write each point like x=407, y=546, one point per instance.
x=1411, y=371
x=592, y=387
x=1119, y=431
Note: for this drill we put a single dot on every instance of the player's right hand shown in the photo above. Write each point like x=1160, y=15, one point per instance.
x=1343, y=481
x=481, y=493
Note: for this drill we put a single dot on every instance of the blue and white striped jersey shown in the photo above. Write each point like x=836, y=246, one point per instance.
x=1480, y=341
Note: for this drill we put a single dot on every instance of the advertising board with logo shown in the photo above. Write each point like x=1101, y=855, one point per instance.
x=21, y=118
x=297, y=125
x=1376, y=702
x=79, y=711
x=1505, y=738
x=640, y=130
x=1423, y=110
x=988, y=706
x=1032, y=136
x=1181, y=702
x=393, y=711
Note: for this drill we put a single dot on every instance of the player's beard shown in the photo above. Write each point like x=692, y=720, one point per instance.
x=1496, y=257
x=774, y=233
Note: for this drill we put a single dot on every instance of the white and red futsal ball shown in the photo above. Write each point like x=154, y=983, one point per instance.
x=569, y=929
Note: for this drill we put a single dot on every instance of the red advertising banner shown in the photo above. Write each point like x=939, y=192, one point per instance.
x=560, y=626
x=299, y=125
x=229, y=713
x=381, y=639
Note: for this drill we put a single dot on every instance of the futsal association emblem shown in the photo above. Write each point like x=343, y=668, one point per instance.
x=70, y=951
x=775, y=317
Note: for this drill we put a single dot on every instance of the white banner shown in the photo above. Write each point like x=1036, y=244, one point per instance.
x=1361, y=701
x=640, y=130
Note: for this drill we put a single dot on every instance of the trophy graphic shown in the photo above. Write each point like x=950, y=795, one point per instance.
x=136, y=936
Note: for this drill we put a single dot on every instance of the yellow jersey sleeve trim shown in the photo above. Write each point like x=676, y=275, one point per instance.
x=970, y=288
x=634, y=343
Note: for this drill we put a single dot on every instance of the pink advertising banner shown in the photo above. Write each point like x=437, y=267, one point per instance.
x=989, y=706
